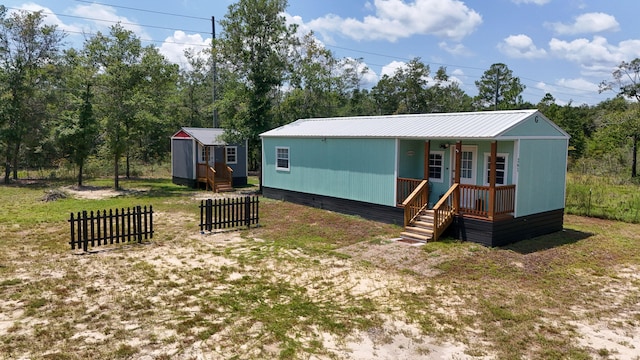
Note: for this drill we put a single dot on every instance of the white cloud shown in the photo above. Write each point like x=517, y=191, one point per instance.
x=50, y=18
x=520, y=47
x=589, y=23
x=396, y=19
x=174, y=46
x=103, y=17
x=537, y=2
x=456, y=49
x=391, y=68
x=596, y=52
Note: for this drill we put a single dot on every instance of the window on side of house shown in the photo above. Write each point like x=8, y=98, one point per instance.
x=501, y=168
x=203, y=154
x=436, y=166
x=282, y=158
x=231, y=154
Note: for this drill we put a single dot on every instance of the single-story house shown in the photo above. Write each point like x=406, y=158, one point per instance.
x=492, y=177
x=199, y=156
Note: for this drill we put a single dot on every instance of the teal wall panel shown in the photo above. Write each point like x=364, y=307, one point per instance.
x=531, y=127
x=356, y=169
x=542, y=170
x=411, y=159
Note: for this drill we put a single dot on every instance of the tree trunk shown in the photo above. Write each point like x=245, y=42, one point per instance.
x=80, y=166
x=116, y=183
x=128, y=175
x=15, y=161
x=634, y=158
x=7, y=170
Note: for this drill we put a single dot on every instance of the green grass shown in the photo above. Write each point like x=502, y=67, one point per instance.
x=603, y=197
x=278, y=290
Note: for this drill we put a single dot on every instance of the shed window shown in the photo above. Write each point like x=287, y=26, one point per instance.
x=282, y=158
x=501, y=168
x=231, y=154
x=436, y=166
x=203, y=154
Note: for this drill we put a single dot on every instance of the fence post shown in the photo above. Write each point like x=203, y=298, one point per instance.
x=139, y=222
x=247, y=211
x=151, y=221
x=73, y=241
x=85, y=235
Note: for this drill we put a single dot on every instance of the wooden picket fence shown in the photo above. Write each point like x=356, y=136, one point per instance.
x=228, y=213
x=109, y=228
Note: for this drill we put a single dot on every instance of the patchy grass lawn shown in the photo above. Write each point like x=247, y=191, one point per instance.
x=306, y=284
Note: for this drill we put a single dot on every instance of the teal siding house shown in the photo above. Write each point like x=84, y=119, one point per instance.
x=488, y=177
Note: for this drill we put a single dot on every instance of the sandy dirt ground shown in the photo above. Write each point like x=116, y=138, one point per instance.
x=146, y=304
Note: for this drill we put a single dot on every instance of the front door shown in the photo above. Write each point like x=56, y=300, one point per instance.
x=468, y=165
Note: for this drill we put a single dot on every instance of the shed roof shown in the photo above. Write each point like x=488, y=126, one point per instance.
x=464, y=125
x=205, y=136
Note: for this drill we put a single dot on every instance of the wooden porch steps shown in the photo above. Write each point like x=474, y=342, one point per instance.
x=421, y=229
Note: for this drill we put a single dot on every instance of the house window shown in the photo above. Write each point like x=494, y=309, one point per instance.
x=436, y=166
x=203, y=154
x=282, y=158
x=501, y=168
x=231, y=153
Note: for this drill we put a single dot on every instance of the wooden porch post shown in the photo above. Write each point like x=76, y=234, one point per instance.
x=456, y=180
x=426, y=160
x=492, y=179
x=206, y=160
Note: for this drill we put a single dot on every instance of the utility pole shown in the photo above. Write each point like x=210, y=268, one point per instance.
x=214, y=70
x=495, y=105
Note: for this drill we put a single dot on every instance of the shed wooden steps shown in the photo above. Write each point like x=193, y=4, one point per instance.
x=421, y=229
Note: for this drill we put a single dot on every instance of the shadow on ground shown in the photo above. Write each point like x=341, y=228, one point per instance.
x=546, y=242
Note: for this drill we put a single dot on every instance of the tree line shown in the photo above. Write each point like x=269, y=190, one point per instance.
x=117, y=100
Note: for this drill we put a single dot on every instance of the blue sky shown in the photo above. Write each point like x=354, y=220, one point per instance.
x=564, y=47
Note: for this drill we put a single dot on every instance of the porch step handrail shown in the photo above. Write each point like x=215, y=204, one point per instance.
x=444, y=211
x=211, y=177
x=417, y=201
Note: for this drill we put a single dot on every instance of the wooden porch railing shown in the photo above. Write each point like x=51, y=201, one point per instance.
x=224, y=172
x=207, y=174
x=444, y=211
x=405, y=187
x=417, y=201
x=475, y=200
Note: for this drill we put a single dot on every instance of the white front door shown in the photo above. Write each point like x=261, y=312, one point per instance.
x=468, y=164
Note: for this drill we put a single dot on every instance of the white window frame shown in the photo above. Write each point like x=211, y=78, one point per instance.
x=288, y=168
x=485, y=174
x=441, y=179
x=235, y=154
x=212, y=154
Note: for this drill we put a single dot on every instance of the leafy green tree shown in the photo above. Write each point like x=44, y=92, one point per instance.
x=498, y=89
x=77, y=129
x=626, y=83
x=406, y=92
x=254, y=45
x=29, y=50
x=447, y=96
x=195, y=99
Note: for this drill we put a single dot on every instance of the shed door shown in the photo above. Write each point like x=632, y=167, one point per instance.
x=468, y=164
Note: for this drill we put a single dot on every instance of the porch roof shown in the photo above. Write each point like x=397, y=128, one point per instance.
x=205, y=136
x=464, y=125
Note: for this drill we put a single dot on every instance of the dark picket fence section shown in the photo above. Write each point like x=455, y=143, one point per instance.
x=228, y=213
x=102, y=228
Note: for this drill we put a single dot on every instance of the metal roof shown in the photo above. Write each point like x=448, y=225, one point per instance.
x=464, y=125
x=206, y=136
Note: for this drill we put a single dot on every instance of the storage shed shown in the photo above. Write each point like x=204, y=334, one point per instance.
x=199, y=157
x=488, y=177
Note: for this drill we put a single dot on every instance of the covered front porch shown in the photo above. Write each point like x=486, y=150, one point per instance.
x=429, y=210
x=212, y=171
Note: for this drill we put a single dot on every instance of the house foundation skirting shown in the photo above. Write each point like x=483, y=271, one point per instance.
x=381, y=213
x=237, y=181
x=506, y=231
